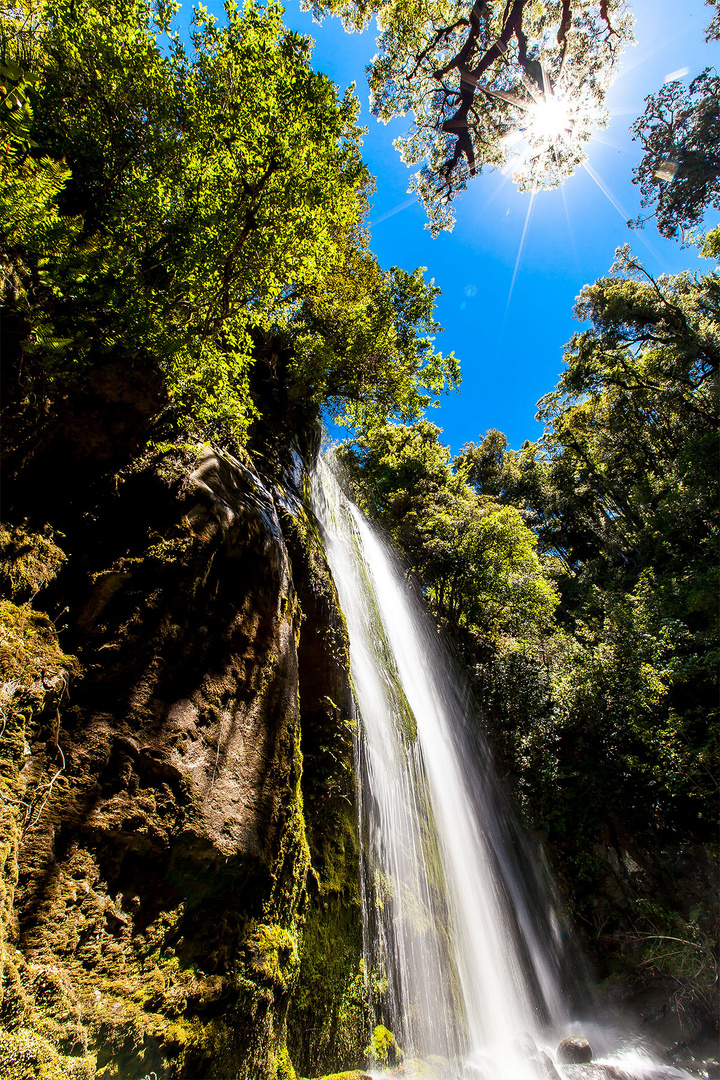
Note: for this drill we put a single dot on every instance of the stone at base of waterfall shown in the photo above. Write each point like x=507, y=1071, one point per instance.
x=596, y=1071
x=575, y=1050
x=543, y=1066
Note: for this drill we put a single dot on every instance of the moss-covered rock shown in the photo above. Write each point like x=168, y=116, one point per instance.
x=25, y=1055
x=156, y=913
x=28, y=561
x=36, y=674
x=154, y=907
x=353, y=1074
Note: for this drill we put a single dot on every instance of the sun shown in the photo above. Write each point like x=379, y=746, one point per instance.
x=547, y=132
x=549, y=119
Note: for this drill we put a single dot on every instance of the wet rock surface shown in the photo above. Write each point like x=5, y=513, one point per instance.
x=598, y=1071
x=154, y=918
x=574, y=1050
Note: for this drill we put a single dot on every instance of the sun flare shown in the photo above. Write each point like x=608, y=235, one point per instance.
x=547, y=134
x=549, y=118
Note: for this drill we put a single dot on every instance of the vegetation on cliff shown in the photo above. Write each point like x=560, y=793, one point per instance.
x=183, y=259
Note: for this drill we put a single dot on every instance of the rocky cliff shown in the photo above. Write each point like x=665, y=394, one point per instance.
x=178, y=799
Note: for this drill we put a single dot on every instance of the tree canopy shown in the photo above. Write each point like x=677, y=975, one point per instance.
x=179, y=205
x=476, y=559
x=491, y=83
x=679, y=173
x=623, y=491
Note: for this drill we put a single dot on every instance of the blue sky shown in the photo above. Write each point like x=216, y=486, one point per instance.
x=506, y=313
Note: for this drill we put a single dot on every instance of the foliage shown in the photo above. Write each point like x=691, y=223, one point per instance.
x=357, y=343
x=15, y=109
x=28, y=561
x=177, y=205
x=679, y=173
x=679, y=949
x=478, y=78
x=477, y=560
x=633, y=419
x=623, y=492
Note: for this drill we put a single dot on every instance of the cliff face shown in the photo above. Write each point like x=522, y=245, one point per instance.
x=157, y=888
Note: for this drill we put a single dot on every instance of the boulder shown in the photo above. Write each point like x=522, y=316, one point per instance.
x=574, y=1050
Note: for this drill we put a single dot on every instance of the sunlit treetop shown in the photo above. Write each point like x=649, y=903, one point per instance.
x=517, y=83
x=198, y=208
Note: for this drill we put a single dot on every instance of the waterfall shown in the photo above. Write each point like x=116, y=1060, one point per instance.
x=465, y=941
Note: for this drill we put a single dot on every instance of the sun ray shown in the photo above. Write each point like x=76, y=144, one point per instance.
x=569, y=225
x=498, y=189
x=606, y=190
x=630, y=64
x=614, y=145
x=520, y=250
x=395, y=210
x=594, y=175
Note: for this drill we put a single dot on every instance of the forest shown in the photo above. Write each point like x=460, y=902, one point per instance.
x=188, y=293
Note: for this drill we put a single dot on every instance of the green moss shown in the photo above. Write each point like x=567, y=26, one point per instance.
x=328, y=1021
x=28, y=560
x=100, y=978
x=329, y=1018
x=25, y=1055
x=192, y=978
x=354, y=1074
x=285, y=1068
x=274, y=954
x=30, y=653
x=383, y=1051
x=101, y=981
x=36, y=674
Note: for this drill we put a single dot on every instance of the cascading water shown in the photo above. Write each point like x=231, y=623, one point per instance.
x=460, y=918
x=450, y=919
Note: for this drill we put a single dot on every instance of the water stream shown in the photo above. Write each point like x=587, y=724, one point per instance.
x=467, y=952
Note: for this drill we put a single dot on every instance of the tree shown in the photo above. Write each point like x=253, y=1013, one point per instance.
x=476, y=559
x=496, y=82
x=631, y=501
x=628, y=467
x=195, y=202
x=679, y=173
x=623, y=489
x=363, y=341
x=486, y=463
x=680, y=169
